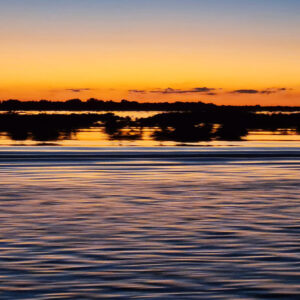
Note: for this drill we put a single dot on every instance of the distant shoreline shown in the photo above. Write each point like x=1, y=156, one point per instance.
x=125, y=105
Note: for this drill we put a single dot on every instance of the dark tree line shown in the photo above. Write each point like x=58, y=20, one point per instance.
x=219, y=123
x=94, y=104
x=98, y=105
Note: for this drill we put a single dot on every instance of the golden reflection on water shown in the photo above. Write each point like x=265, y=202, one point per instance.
x=96, y=137
x=132, y=114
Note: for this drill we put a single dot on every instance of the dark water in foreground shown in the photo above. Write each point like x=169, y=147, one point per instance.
x=149, y=224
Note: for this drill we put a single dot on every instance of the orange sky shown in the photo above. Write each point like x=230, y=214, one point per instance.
x=106, y=51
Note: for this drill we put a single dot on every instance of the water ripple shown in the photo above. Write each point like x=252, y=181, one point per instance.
x=150, y=231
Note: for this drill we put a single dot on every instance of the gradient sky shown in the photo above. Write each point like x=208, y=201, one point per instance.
x=221, y=51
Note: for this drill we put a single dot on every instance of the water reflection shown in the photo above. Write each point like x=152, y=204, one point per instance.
x=160, y=130
x=149, y=229
x=146, y=137
x=131, y=114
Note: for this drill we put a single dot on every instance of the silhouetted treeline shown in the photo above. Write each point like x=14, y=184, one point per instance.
x=48, y=127
x=215, y=123
x=222, y=124
x=98, y=105
x=94, y=104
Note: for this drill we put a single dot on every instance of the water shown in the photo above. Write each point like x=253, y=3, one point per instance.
x=145, y=223
x=134, y=137
x=121, y=113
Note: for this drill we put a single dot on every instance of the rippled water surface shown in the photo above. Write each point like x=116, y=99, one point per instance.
x=149, y=227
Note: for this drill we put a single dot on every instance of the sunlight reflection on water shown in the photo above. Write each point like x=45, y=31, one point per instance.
x=96, y=137
x=150, y=229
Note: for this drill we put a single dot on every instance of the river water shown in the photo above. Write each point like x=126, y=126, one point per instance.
x=149, y=223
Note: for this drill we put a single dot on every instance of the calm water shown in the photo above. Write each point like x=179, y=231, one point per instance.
x=130, y=113
x=144, y=223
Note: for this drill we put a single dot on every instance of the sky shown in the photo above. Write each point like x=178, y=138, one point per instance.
x=219, y=51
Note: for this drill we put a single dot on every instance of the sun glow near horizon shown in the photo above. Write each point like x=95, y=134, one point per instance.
x=151, y=51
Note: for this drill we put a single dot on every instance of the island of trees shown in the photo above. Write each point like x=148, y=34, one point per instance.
x=179, y=121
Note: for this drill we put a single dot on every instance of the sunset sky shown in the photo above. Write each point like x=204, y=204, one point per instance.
x=220, y=51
